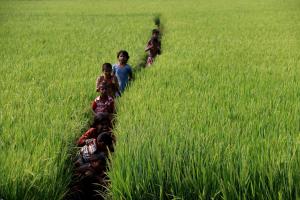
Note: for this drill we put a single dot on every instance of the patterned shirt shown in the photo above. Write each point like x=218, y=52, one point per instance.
x=101, y=105
x=87, y=150
x=112, y=83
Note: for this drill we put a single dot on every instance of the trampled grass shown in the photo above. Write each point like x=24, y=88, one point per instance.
x=217, y=116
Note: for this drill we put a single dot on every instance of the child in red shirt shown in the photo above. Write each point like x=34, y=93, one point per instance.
x=104, y=102
x=102, y=123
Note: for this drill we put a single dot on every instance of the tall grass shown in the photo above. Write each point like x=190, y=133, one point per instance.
x=51, y=52
x=217, y=116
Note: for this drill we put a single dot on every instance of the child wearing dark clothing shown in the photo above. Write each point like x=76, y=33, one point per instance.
x=96, y=165
x=102, y=123
x=153, y=47
x=91, y=166
x=104, y=102
x=104, y=143
x=110, y=79
x=89, y=177
x=122, y=70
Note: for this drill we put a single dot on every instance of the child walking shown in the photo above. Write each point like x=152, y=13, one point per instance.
x=110, y=79
x=153, y=47
x=103, y=103
x=122, y=70
x=102, y=123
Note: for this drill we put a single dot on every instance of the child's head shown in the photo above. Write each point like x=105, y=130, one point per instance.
x=102, y=121
x=103, y=89
x=98, y=161
x=107, y=69
x=155, y=33
x=123, y=56
x=105, y=140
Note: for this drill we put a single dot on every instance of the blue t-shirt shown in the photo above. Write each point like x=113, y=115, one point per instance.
x=122, y=74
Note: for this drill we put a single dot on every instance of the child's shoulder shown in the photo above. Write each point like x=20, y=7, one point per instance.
x=100, y=77
x=128, y=66
x=97, y=98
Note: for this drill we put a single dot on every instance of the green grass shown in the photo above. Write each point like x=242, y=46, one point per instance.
x=216, y=117
x=51, y=52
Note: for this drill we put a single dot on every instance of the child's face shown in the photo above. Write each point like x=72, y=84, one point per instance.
x=107, y=72
x=99, y=126
x=104, y=124
x=122, y=58
x=103, y=90
x=155, y=35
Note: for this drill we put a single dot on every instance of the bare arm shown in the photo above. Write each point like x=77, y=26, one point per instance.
x=130, y=75
x=117, y=86
x=94, y=105
x=149, y=46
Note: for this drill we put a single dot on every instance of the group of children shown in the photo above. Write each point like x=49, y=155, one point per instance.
x=98, y=142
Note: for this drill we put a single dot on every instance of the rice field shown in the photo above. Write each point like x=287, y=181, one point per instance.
x=51, y=53
x=216, y=117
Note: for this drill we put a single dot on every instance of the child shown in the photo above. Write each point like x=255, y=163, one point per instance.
x=102, y=123
x=111, y=80
x=104, y=143
x=122, y=70
x=103, y=103
x=153, y=46
x=90, y=178
x=96, y=165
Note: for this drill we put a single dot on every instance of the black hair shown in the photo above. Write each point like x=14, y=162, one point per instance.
x=104, y=84
x=106, y=138
x=100, y=118
x=106, y=66
x=155, y=31
x=125, y=53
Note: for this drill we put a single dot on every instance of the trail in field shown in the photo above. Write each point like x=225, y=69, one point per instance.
x=90, y=180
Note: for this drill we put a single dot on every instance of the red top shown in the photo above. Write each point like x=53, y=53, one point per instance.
x=89, y=134
x=103, y=105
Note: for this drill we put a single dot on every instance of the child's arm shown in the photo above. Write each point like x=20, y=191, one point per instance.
x=85, y=136
x=113, y=70
x=149, y=46
x=130, y=74
x=94, y=106
x=98, y=81
x=116, y=82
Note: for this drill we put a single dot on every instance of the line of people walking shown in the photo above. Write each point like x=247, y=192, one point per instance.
x=97, y=143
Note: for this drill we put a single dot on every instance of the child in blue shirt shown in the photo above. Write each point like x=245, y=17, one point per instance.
x=122, y=70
